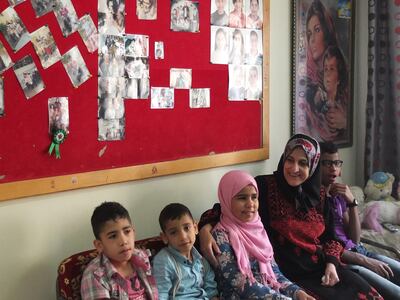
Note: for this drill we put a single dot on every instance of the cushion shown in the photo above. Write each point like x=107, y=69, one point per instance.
x=70, y=270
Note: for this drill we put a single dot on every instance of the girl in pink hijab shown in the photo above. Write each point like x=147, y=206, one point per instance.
x=246, y=266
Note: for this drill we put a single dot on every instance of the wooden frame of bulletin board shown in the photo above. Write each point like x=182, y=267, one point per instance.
x=157, y=142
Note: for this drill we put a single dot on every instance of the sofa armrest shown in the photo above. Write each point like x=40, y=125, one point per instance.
x=382, y=246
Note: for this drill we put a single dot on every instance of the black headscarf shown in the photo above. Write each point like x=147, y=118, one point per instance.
x=306, y=195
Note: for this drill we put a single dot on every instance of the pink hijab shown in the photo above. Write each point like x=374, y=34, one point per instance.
x=248, y=239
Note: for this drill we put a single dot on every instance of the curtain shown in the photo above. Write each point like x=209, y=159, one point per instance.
x=382, y=141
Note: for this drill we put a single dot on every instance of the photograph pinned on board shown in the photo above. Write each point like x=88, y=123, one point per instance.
x=45, y=46
x=219, y=12
x=28, y=76
x=199, y=98
x=137, y=88
x=185, y=15
x=58, y=114
x=136, y=67
x=254, y=47
x=5, y=59
x=237, y=83
x=162, y=97
x=253, y=82
x=75, y=66
x=1, y=96
x=110, y=98
x=180, y=78
x=237, y=14
x=88, y=32
x=15, y=2
x=220, y=38
x=254, y=14
x=42, y=7
x=146, y=9
x=13, y=29
x=111, y=55
x=159, y=50
x=111, y=130
x=237, y=52
x=136, y=45
x=66, y=16
x=111, y=16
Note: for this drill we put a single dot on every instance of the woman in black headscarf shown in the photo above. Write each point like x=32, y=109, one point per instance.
x=298, y=223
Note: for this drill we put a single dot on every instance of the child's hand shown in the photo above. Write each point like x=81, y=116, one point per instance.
x=302, y=295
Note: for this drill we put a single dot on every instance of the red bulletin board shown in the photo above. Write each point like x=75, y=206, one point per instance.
x=157, y=142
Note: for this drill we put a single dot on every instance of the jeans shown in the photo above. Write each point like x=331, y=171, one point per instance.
x=388, y=288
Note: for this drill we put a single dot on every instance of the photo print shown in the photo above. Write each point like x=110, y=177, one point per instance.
x=13, y=29
x=5, y=59
x=45, y=46
x=237, y=13
x=75, y=66
x=159, y=50
x=254, y=14
x=162, y=97
x=253, y=82
x=66, y=16
x=180, y=78
x=185, y=15
x=111, y=130
x=1, y=97
x=42, y=7
x=136, y=45
x=254, y=47
x=146, y=9
x=88, y=33
x=237, y=53
x=219, y=12
x=220, y=38
x=111, y=112
x=137, y=88
x=111, y=16
x=28, y=76
x=237, y=83
x=58, y=114
x=136, y=67
x=199, y=98
x=111, y=56
x=15, y=2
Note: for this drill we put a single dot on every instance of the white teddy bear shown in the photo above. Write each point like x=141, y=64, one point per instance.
x=380, y=206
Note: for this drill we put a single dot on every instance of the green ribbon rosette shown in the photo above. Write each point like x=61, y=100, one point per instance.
x=59, y=137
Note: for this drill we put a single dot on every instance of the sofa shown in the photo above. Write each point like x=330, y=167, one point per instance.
x=386, y=243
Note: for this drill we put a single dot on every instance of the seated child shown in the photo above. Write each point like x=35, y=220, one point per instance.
x=119, y=271
x=246, y=267
x=180, y=271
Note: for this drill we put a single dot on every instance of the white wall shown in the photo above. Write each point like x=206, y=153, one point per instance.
x=37, y=233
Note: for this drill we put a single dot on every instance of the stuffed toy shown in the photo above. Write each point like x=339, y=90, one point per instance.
x=380, y=206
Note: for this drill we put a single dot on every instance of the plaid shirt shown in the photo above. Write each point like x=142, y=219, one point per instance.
x=101, y=280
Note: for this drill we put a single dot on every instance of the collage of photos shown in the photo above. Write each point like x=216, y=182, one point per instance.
x=88, y=33
x=13, y=29
x=137, y=66
x=185, y=15
x=1, y=97
x=5, y=59
x=236, y=40
x=58, y=114
x=28, y=76
x=42, y=7
x=66, y=16
x=111, y=14
x=75, y=66
x=45, y=46
x=146, y=9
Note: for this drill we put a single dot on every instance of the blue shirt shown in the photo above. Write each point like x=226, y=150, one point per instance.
x=189, y=279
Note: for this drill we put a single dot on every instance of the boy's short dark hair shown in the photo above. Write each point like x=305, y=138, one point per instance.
x=173, y=211
x=105, y=212
x=328, y=147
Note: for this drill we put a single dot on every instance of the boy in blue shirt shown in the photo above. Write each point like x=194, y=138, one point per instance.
x=180, y=271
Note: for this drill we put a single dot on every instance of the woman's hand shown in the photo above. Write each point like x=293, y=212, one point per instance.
x=302, y=295
x=208, y=246
x=330, y=278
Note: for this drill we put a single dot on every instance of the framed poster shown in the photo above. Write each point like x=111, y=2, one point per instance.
x=322, y=94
